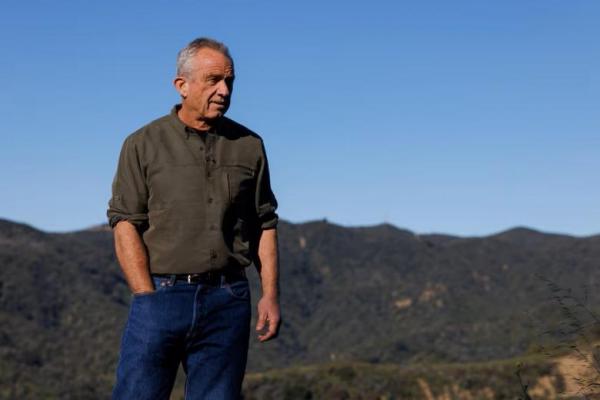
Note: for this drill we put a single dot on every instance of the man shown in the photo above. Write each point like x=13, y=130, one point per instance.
x=191, y=207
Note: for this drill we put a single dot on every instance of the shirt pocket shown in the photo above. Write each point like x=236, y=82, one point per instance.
x=240, y=184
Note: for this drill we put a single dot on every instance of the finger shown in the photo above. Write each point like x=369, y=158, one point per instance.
x=272, y=332
x=273, y=326
x=262, y=319
x=265, y=336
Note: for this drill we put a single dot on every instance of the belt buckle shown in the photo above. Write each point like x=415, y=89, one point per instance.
x=191, y=276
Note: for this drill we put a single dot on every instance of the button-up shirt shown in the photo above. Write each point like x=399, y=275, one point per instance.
x=199, y=199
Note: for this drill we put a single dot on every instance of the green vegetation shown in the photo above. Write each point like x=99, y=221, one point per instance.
x=371, y=310
x=491, y=380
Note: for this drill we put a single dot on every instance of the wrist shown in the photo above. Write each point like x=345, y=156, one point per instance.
x=143, y=291
x=272, y=294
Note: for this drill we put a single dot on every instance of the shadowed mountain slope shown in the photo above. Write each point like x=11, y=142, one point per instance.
x=374, y=294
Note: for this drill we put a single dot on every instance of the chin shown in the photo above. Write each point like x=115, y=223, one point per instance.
x=216, y=114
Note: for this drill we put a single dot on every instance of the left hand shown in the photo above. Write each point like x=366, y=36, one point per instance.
x=268, y=313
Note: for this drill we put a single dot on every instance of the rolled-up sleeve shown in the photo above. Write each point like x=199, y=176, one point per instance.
x=129, y=199
x=265, y=200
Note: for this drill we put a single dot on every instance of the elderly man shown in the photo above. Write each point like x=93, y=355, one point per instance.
x=191, y=207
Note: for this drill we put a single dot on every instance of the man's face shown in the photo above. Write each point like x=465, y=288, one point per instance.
x=207, y=90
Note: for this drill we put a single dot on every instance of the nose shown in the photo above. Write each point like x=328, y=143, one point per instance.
x=222, y=89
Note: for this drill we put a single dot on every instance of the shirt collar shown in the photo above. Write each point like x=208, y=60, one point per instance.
x=187, y=130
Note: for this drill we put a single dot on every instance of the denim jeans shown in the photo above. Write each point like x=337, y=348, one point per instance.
x=205, y=327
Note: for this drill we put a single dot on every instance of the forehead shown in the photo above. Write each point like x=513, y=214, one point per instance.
x=209, y=60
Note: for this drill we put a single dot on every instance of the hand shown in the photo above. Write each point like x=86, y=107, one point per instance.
x=268, y=311
x=143, y=292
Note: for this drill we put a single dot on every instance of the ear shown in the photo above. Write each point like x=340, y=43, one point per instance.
x=181, y=85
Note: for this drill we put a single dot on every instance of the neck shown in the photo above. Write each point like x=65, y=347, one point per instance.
x=192, y=120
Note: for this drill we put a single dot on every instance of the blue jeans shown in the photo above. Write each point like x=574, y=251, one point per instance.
x=205, y=327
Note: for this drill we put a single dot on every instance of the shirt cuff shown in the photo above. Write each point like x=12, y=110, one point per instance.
x=269, y=221
x=140, y=221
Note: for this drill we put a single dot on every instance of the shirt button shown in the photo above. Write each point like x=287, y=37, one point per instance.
x=210, y=199
x=213, y=227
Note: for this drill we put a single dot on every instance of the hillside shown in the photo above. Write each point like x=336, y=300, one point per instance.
x=375, y=295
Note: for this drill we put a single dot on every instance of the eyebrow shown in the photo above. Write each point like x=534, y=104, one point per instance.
x=219, y=75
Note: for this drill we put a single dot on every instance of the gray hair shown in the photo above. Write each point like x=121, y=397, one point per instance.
x=185, y=55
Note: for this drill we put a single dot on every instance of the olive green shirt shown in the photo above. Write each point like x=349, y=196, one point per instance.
x=198, y=199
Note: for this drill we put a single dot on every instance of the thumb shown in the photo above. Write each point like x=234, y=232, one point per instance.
x=262, y=320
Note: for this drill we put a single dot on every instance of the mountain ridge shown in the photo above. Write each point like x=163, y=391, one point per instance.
x=518, y=230
x=364, y=294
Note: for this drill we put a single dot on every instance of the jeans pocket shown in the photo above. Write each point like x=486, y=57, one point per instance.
x=160, y=284
x=238, y=289
x=143, y=294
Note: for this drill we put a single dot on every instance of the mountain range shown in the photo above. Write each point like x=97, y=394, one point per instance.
x=374, y=295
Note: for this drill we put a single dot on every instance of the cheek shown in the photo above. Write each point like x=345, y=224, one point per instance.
x=201, y=96
x=195, y=93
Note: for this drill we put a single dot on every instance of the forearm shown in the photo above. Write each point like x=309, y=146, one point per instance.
x=268, y=266
x=132, y=256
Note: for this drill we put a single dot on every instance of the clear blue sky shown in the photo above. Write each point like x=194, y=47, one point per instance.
x=461, y=117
